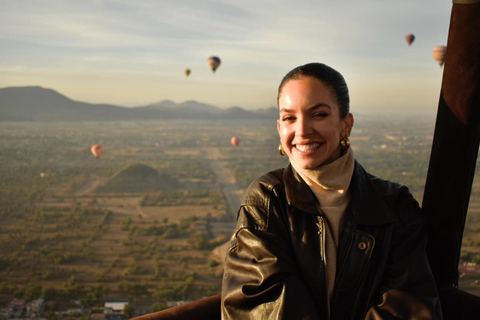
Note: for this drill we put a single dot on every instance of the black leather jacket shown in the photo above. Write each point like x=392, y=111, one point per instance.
x=274, y=267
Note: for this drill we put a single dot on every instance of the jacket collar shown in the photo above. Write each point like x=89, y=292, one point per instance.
x=367, y=203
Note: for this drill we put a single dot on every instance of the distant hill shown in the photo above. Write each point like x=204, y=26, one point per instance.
x=271, y=112
x=187, y=105
x=137, y=178
x=39, y=104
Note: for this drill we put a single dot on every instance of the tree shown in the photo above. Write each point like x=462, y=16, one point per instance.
x=73, y=287
x=159, y=306
x=32, y=291
x=143, y=200
x=48, y=293
x=126, y=224
x=132, y=289
x=128, y=311
x=184, y=261
x=212, y=264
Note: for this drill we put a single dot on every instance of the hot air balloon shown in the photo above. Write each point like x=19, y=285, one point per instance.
x=235, y=141
x=213, y=63
x=439, y=53
x=187, y=72
x=409, y=38
x=97, y=150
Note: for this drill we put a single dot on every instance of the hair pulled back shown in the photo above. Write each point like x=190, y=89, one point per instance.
x=329, y=76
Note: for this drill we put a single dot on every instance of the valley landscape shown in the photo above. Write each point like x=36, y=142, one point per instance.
x=147, y=222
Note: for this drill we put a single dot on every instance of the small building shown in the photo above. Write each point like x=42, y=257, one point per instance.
x=115, y=306
x=35, y=307
x=469, y=269
x=16, y=308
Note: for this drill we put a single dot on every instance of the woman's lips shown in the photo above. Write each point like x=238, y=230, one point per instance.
x=307, y=147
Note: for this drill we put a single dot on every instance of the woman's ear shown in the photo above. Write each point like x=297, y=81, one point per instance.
x=348, y=120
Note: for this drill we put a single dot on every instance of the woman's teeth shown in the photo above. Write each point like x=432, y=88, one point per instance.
x=307, y=147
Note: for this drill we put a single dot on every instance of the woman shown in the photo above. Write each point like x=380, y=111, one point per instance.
x=322, y=238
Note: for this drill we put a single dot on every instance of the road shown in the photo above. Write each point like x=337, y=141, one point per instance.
x=230, y=190
x=225, y=179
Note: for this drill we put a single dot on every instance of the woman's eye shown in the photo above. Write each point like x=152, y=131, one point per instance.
x=320, y=115
x=287, y=118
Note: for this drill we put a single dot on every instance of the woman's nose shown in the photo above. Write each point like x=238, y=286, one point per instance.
x=304, y=127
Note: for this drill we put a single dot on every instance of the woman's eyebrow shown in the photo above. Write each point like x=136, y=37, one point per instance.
x=316, y=106
x=286, y=110
x=320, y=105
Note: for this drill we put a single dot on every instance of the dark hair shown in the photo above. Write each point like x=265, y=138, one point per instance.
x=329, y=76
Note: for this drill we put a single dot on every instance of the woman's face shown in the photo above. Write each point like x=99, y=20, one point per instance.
x=309, y=125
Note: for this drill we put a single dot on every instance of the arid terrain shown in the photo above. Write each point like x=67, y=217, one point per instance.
x=146, y=221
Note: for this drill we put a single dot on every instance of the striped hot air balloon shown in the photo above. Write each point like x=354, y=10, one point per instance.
x=439, y=53
x=409, y=38
x=213, y=62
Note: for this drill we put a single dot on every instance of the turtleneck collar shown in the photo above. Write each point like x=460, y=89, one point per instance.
x=330, y=182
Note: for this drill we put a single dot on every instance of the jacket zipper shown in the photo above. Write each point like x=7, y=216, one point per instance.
x=321, y=236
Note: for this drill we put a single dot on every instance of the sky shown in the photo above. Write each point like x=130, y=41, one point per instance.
x=134, y=52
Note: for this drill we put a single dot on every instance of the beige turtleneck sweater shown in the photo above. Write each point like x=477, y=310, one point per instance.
x=330, y=184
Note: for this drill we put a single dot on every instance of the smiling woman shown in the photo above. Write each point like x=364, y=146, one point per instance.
x=322, y=238
x=311, y=124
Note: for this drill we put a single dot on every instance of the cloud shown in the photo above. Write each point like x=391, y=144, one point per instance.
x=258, y=41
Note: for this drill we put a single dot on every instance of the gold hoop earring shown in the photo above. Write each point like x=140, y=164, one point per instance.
x=345, y=143
x=280, y=150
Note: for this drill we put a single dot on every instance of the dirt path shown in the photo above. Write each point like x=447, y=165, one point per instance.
x=232, y=194
x=227, y=182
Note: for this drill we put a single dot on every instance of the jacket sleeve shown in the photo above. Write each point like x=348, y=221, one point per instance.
x=261, y=279
x=408, y=288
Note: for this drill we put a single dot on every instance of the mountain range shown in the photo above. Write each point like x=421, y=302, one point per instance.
x=35, y=103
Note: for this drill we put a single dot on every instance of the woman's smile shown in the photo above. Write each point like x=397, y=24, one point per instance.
x=307, y=148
